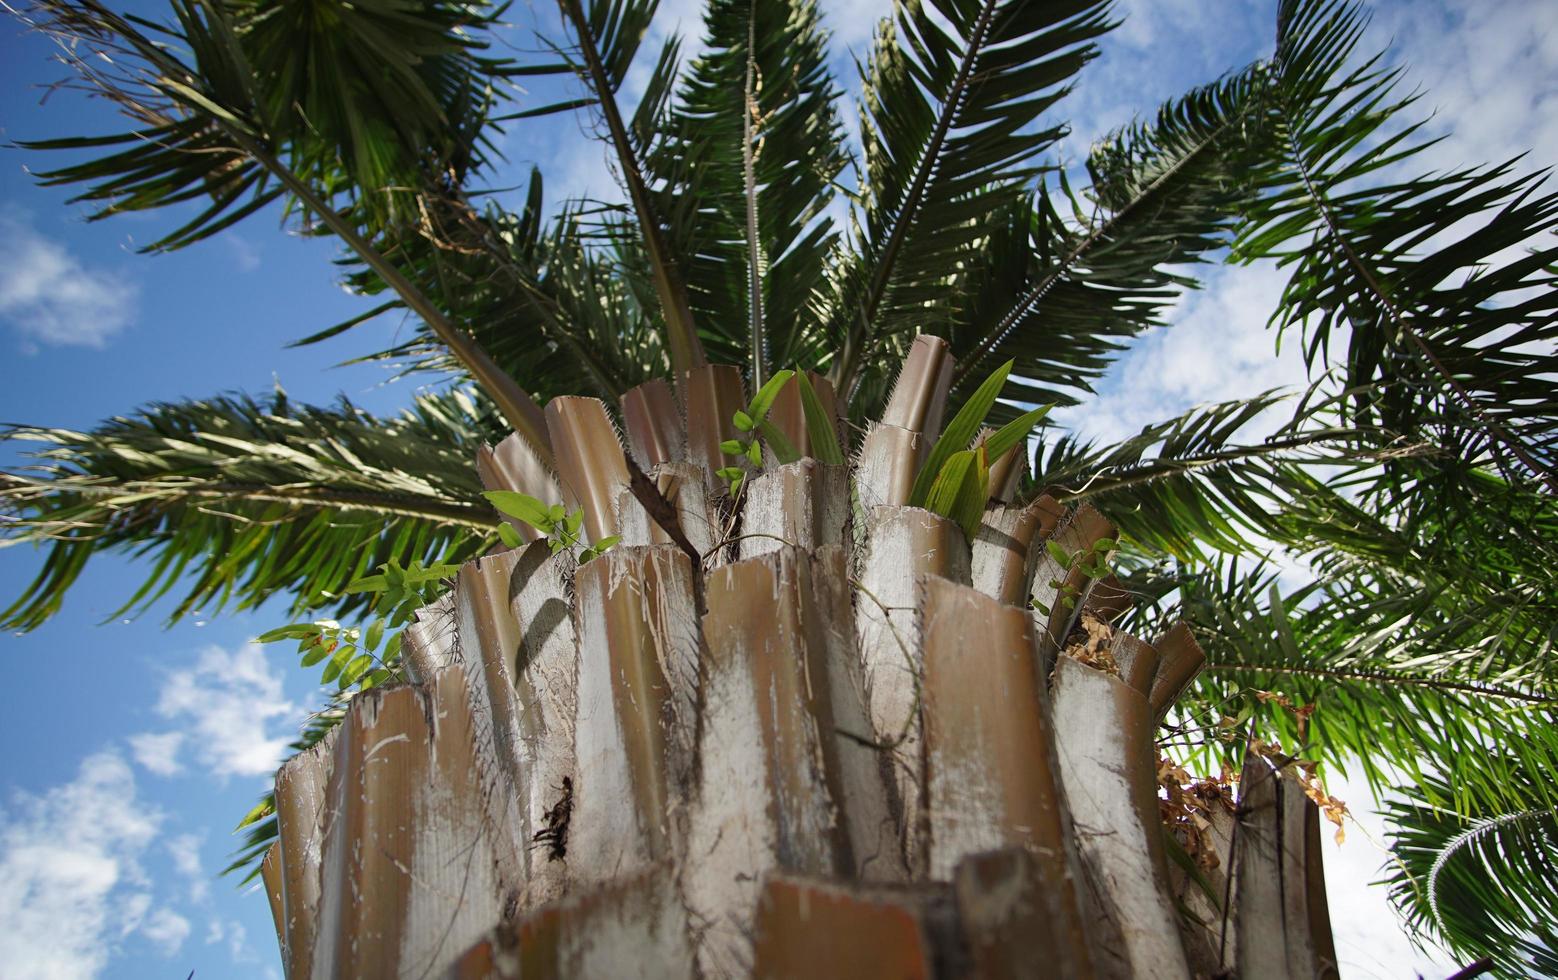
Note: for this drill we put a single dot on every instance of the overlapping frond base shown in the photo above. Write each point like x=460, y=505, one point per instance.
x=825, y=734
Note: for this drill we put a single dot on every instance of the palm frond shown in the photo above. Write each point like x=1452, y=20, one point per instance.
x=744, y=160
x=1066, y=279
x=1481, y=878
x=553, y=309
x=219, y=92
x=362, y=99
x=375, y=91
x=1181, y=485
x=1395, y=700
x=1455, y=332
x=234, y=500
x=953, y=95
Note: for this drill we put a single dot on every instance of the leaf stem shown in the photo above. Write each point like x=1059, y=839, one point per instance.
x=472, y=516
x=1467, y=687
x=685, y=348
x=858, y=344
x=1159, y=469
x=749, y=178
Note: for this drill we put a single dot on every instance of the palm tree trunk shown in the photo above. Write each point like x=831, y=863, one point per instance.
x=840, y=744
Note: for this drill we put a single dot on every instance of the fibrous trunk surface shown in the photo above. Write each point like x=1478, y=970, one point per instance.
x=841, y=739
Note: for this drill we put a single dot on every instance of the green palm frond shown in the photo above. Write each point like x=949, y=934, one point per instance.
x=553, y=309
x=1178, y=486
x=374, y=91
x=171, y=154
x=744, y=159
x=1469, y=583
x=1456, y=337
x=950, y=124
x=1390, y=696
x=361, y=98
x=218, y=91
x=233, y=500
x=1427, y=629
x=1067, y=279
x=1480, y=877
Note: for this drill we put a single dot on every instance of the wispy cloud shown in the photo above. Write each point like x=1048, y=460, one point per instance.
x=1217, y=348
x=246, y=255
x=51, y=297
x=167, y=930
x=184, y=851
x=71, y=883
x=225, y=706
x=1465, y=59
x=158, y=752
x=234, y=935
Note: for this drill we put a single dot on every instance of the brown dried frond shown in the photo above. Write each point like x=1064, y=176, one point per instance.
x=1185, y=805
x=1306, y=771
x=1091, y=642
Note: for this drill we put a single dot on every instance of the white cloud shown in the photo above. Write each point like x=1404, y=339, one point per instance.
x=184, y=850
x=1464, y=60
x=235, y=936
x=225, y=704
x=1161, y=49
x=236, y=947
x=1220, y=34
x=70, y=877
x=167, y=930
x=158, y=752
x=851, y=22
x=1216, y=348
x=51, y=297
x=132, y=908
x=1370, y=941
x=582, y=166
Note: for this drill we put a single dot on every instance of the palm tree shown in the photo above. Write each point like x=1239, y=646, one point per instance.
x=1415, y=478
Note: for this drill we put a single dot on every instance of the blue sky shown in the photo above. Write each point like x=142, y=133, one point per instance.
x=135, y=748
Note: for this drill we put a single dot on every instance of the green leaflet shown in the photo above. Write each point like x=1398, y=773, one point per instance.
x=819, y=427
x=560, y=526
x=1014, y=433
x=414, y=575
x=522, y=506
x=783, y=449
x=958, y=433
x=953, y=475
x=755, y=418
x=961, y=489
x=764, y=399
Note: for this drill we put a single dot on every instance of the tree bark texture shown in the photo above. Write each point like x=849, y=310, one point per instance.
x=841, y=743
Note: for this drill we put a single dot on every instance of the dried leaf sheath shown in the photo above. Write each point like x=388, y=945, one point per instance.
x=659, y=766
